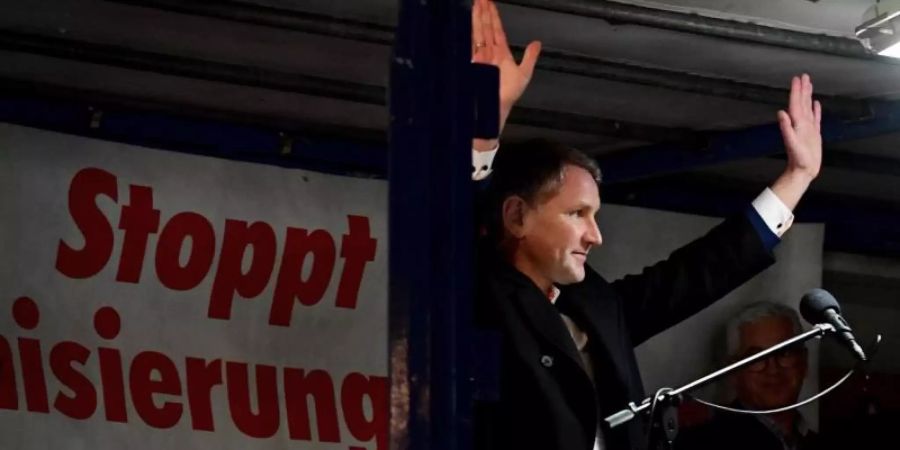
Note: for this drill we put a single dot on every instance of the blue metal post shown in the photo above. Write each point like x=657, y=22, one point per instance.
x=431, y=248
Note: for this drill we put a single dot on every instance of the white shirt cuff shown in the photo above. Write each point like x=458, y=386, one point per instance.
x=482, y=163
x=777, y=216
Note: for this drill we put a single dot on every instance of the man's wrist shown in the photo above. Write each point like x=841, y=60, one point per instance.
x=504, y=115
x=482, y=162
x=773, y=213
x=791, y=185
x=800, y=176
x=484, y=145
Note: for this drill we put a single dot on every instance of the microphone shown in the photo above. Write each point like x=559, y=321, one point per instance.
x=819, y=306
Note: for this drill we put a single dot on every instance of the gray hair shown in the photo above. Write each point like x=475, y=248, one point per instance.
x=752, y=313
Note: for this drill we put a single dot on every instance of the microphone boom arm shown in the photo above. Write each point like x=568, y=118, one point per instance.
x=633, y=410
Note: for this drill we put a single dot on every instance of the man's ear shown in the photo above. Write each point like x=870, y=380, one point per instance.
x=514, y=208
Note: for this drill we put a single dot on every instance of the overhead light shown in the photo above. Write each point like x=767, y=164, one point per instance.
x=880, y=30
x=892, y=51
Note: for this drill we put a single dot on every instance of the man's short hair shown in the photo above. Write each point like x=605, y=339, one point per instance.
x=752, y=313
x=532, y=170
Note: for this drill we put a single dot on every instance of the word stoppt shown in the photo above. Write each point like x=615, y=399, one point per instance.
x=139, y=219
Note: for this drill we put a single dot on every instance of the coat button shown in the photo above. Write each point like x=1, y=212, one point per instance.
x=547, y=361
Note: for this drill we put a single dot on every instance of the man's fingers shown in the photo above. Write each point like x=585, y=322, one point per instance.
x=487, y=32
x=807, y=94
x=477, y=34
x=499, y=33
x=817, y=113
x=501, y=47
x=795, y=98
x=487, y=24
x=787, y=127
x=529, y=59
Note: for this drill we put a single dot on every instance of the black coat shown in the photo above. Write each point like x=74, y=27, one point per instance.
x=729, y=431
x=546, y=399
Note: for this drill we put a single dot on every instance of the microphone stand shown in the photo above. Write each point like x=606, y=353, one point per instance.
x=663, y=405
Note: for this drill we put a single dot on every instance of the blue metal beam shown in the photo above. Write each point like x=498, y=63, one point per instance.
x=197, y=136
x=749, y=143
x=858, y=162
x=854, y=225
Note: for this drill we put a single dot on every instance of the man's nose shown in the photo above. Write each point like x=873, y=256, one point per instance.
x=771, y=365
x=593, y=236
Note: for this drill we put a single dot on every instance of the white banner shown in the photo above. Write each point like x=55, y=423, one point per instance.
x=153, y=299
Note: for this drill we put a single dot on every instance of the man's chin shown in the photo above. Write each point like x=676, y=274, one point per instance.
x=571, y=278
x=774, y=403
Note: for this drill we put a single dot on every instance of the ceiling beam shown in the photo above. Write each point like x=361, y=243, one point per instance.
x=628, y=72
x=123, y=57
x=551, y=60
x=107, y=101
x=579, y=123
x=117, y=56
x=275, y=17
x=622, y=13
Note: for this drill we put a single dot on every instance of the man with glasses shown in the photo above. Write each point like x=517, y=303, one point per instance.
x=767, y=384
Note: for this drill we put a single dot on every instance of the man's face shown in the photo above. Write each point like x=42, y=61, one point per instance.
x=557, y=232
x=776, y=381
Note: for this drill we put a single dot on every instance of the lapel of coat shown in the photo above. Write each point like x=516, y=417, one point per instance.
x=544, y=317
x=595, y=311
x=539, y=313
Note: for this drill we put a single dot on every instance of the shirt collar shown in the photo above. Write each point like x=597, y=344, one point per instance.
x=553, y=294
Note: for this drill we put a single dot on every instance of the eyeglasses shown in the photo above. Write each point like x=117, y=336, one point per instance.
x=785, y=359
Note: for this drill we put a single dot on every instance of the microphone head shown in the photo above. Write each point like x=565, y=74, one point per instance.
x=815, y=302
